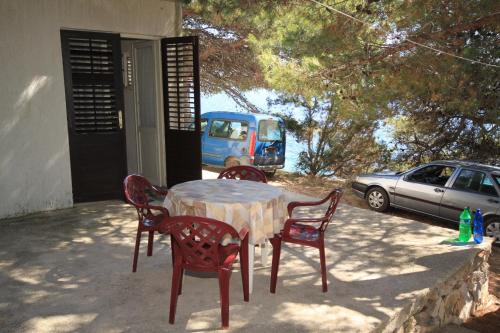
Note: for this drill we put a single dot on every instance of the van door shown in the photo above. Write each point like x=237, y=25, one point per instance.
x=210, y=147
x=227, y=142
x=270, y=145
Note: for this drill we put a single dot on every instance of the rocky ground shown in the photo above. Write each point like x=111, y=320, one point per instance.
x=487, y=322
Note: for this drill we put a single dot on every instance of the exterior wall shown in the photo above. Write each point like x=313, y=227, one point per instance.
x=35, y=170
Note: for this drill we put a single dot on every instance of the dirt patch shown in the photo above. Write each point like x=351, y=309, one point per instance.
x=316, y=187
x=487, y=322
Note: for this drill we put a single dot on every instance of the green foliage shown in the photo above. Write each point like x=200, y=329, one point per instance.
x=362, y=74
x=333, y=138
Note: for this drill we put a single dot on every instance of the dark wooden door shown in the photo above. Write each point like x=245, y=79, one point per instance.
x=181, y=90
x=94, y=102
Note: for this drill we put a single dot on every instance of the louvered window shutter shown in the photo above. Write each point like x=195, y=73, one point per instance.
x=94, y=93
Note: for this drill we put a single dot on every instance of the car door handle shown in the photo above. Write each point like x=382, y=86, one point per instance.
x=438, y=190
x=492, y=200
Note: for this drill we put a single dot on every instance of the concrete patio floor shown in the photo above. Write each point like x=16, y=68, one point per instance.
x=70, y=270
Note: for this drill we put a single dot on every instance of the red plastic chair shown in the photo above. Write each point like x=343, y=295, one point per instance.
x=140, y=193
x=305, y=231
x=198, y=247
x=243, y=172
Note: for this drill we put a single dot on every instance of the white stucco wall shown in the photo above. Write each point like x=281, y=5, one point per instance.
x=34, y=153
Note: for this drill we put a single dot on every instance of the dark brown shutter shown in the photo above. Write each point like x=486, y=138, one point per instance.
x=181, y=90
x=94, y=102
x=94, y=94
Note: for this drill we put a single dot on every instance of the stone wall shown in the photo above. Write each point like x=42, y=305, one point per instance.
x=453, y=301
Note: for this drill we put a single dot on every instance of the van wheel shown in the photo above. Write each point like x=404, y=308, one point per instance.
x=231, y=162
x=270, y=174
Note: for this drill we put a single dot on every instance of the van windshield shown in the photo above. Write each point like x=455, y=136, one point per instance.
x=270, y=130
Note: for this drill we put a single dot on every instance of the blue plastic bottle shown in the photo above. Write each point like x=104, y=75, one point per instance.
x=478, y=226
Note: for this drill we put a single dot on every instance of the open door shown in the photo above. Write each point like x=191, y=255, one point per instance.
x=181, y=90
x=94, y=102
x=148, y=129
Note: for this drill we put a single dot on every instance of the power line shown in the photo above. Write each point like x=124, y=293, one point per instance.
x=407, y=39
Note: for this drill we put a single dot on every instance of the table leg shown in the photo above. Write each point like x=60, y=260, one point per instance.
x=264, y=251
x=251, y=254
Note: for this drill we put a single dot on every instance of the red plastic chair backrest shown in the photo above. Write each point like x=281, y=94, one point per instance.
x=243, y=172
x=198, y=240
x=334, y=197
x=135, y=187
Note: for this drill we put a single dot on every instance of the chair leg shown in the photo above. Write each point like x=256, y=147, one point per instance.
x=251, y=265
x=180, y=281
x=224, y=275
x=323, y=267
x=244, y=272
x=276, y=242
x=136, y=250
x=150, y=243
x=172, y=248
x=174, y=292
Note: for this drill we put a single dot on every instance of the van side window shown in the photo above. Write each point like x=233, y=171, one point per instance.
x=227, y=129
x=204, y=123
x=474, y=181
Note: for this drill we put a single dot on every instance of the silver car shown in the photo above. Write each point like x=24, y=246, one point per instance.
x=441, y=189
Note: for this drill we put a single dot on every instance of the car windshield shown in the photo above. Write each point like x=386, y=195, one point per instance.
x=270, y=130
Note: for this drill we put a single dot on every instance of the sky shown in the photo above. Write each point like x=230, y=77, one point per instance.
x=222, y=102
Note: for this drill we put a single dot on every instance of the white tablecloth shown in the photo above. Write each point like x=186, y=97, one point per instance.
x=236, y=202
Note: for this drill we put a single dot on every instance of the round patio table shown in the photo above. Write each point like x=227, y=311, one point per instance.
x=236, y=202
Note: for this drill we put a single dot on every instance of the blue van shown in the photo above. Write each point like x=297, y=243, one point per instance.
x=232, y=138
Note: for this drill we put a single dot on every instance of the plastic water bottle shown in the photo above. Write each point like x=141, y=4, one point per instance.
x=464, y=229
x=478, y=226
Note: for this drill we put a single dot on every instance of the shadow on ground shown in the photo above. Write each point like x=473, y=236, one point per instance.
x=70, y=271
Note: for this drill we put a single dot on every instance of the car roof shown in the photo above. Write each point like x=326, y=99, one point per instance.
x=238, y=115
x=470, y=165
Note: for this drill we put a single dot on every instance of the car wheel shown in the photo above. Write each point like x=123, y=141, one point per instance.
x=231, y=162
x=377, y=199
x=492, y=229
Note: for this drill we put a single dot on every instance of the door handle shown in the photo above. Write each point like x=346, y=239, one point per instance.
x=120, y=119
x=492, y=200
x=438, y=190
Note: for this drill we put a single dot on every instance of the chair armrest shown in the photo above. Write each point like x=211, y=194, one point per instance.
x=289, y=222
x=160, y=190
x=295, y=204
x=244, y=232
x=158, y=208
